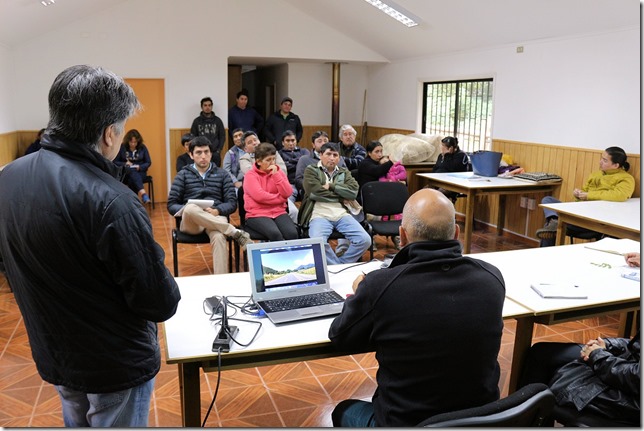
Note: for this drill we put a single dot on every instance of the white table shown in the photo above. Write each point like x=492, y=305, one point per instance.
x=473, y=185
x=618, y=219
x=608, y=292
x=189, y=334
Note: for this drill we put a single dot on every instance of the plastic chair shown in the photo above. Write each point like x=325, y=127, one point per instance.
x=150, y=182
x=179, y=237
x=379, y=199
x=530, y=406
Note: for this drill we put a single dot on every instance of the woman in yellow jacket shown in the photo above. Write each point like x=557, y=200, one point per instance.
x=611, y=182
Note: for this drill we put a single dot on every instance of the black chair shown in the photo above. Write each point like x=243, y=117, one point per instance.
x=573, y=232
x=150, y=182
x=254, y=235
x=381, y=198
x=530, y=406
x=179, y=237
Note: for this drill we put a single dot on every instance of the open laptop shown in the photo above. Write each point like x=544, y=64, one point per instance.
x=290, y=280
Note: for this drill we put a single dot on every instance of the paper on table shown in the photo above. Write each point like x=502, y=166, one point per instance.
x=559, y=290
x=614, y=246
x=201, y=203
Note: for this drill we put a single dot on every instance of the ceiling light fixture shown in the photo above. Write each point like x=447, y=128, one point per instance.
x=393, y=12
x=47, y=2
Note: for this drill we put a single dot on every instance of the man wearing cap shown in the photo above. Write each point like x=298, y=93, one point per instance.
x=281, y=120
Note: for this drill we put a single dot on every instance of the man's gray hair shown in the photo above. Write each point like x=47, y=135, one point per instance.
x=417, y=228
x=345, y=128
x=85, y=100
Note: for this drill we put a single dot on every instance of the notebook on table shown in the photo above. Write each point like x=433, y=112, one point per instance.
x=290, y=280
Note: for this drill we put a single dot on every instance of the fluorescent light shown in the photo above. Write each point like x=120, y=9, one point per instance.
x=47, y=2
x=393, y=12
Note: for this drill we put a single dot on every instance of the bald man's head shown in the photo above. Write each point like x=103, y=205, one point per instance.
x=429, y=215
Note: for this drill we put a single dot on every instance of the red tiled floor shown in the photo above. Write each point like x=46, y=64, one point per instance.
x=287, y=395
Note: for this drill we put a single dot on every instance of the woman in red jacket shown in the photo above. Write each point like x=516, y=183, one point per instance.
x=266, y=191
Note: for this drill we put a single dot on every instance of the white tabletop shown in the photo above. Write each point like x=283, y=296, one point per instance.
x=621, y=214
x=189, y=333
x=471, y=181
x=576, y=264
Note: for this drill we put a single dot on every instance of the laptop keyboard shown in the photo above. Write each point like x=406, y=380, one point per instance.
x=303, y=301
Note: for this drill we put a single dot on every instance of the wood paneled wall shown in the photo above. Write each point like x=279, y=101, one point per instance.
x=14, y=144
x=574, y=165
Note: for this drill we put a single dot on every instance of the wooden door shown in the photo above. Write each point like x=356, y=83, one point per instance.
x=150, y=122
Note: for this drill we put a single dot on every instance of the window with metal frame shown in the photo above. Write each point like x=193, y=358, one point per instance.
x=462, y=109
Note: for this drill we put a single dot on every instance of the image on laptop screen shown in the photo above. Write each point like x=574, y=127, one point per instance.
x=287, y=267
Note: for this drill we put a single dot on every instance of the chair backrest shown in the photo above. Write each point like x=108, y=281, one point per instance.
x=240, y=205
x=384, y=197
x=529, y=406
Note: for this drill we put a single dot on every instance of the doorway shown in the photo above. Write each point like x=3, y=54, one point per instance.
x=150, y=122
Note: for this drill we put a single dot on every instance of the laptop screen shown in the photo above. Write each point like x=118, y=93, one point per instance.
x=285, y=265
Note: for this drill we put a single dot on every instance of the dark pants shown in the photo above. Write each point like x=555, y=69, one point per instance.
x=135, y=180
x=544, y=359
x=353, y=413
x=276, y=229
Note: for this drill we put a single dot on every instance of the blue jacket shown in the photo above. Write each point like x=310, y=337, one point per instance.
x=140, y=156
x=217, y=185
x=291, y=158
x=246, y=119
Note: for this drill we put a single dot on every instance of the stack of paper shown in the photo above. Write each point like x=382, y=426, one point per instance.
x=559, y=290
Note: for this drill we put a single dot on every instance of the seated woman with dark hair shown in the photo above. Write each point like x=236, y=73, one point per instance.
x=451, y=158
x=374, y=166
x=611, y=182
x=266, y=192
x=134, y=155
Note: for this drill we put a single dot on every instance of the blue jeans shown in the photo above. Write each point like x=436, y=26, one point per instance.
x=126, y=408
x=353, y=413
x=547, y=211
x=352, y=230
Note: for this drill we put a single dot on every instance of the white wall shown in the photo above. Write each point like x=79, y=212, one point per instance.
x=187, y=43
x=7, y=119
x=574, y=92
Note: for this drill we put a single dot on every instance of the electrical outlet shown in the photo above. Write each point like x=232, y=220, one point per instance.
x=532, y=204
x=524, y=202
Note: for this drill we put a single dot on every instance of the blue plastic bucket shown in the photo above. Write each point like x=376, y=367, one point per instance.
x=486, y=163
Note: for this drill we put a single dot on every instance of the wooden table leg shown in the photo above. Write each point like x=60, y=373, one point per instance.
x=500, y=220
x=522, y=342
x=189, y=388
x=561, y=232
x=469, y=222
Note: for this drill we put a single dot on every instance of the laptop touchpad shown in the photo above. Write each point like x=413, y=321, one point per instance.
x=309, y=310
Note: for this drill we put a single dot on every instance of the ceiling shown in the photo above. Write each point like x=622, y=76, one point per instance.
x=445, y=25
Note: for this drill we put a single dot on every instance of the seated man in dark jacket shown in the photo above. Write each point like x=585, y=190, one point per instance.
x=601, y=377
x=88, y=277
x=434, y=318
x=204, y=180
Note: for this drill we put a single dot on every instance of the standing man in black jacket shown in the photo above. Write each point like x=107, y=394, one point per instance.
x=434, y=318
x=87, y=275
x=280, y=121
x=209, y=125
x=204, y=180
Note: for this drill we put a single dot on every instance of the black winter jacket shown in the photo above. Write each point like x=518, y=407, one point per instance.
x=434, y=319
x=276, y=125
x=87, y=275
x=212, y=128
x=188, y=184
x=455, y=162
x=607, y=384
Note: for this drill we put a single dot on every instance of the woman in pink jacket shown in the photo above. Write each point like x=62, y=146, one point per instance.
x=266, y=191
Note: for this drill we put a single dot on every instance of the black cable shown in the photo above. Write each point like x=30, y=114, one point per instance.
x=354, y=265
x=216, y=389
